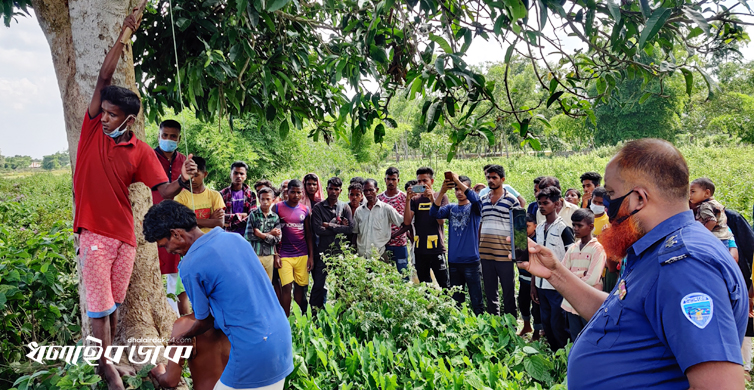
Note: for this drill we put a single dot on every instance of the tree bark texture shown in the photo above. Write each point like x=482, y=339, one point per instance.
x=80, y=33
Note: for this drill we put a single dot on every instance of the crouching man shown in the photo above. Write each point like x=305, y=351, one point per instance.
x=230, y=291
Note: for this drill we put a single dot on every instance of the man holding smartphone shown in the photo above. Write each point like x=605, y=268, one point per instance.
x=428, y=240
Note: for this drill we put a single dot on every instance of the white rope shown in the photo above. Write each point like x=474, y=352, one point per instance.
x=180, y=95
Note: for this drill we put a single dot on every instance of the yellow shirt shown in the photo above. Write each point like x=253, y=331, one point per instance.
x=203, y=204
x=600, y=224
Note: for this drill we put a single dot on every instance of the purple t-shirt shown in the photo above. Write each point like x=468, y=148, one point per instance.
x=293, y=242
x=237, y=202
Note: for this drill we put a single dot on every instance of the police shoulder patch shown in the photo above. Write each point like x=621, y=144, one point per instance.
x=698, y=308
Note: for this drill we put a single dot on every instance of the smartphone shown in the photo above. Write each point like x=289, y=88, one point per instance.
x=449, y=177
x=418, y=189
x=519, y=238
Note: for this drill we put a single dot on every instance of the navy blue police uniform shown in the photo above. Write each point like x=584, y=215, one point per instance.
x=680, y=301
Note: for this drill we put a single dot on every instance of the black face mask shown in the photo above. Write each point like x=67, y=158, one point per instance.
x=613, y=207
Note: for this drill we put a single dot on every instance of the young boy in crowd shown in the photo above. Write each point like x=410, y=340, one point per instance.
x=209, y=208
x=585, y=259
x=296, y=256
x=463, y=234
x=529, y=308
x=589, y=181
x=532, y=208
x=601, y=220
x=355, y=196
x=573, y=196
x=707, y=210
x=208, y=205
x=554, y=234
x=263, y=230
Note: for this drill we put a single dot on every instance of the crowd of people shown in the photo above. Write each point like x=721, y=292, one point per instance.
x=645, y=271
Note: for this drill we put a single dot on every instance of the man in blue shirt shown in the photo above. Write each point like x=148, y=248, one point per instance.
x=676, y=318
x=228, y=289
x=463, y=236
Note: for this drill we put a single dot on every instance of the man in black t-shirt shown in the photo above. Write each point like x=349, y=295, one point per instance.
x=428, y=239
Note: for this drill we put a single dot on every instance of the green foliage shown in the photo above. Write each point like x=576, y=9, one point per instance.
x=38, y=282
x=638, y=112
x=383, y=333
x=56, y=161
x=17, y=162
x=281, y=60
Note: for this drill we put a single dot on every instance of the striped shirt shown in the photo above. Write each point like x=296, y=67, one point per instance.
x=496, y=226
x=586, y=263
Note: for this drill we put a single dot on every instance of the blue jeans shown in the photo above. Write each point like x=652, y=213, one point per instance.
x=400, y=255
x=553, y=318
x=469, y=275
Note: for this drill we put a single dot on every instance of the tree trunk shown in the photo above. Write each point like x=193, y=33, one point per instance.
x=80, y=33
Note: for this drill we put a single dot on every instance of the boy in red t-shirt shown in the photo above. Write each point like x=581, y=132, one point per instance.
x=109, y=159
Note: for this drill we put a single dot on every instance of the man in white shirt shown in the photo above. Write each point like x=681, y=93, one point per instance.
x=372, y=222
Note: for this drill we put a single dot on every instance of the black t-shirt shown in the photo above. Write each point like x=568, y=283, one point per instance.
x=428, y=239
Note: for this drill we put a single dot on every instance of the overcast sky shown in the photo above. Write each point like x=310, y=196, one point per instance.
x=31, y=111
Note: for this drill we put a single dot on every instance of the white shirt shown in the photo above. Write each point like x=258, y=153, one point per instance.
x=373, y=227
x=565, y=213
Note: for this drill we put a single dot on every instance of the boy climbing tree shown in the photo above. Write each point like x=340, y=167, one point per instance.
x=110, y=158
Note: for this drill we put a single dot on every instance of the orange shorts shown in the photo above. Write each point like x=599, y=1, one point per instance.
x=106, y=265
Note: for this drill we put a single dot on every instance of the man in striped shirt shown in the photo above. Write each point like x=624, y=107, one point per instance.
x=493, y=248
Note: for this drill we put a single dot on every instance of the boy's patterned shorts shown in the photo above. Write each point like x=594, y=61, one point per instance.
x=106, y=265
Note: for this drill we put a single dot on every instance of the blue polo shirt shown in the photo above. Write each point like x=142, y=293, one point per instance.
x=685, y=304
x=224, y=277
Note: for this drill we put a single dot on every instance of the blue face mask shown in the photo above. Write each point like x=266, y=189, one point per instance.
x=118, y=131
x=167, y=145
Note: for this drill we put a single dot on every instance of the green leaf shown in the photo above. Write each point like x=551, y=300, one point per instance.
x=287, y=80
x=712, y=85
x=524, y=127
x=489, y=135
x=646, y=11
x=283, y=129
x=425, y=108
x=434, y=114
x=271, y=113
x=644, y=97
x=654, y=24
x=378, y=54
x=538, y=367
x=274, y=5
x=614, y=9
x=517, y=9
x=697, y=17
x=553, y=85
x=442, y=42
x=379, y=133
x=689, y=80
x=542, y=14
x=553, y=98
x=591, y=116
x=440, y=65
x=508, y=54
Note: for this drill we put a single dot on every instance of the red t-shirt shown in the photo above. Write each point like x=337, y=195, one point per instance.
x=104, y=170
x=168, y=261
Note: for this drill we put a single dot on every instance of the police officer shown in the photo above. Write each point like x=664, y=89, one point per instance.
x=676, y=318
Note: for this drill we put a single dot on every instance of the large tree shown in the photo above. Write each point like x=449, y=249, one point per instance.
x=80, y=32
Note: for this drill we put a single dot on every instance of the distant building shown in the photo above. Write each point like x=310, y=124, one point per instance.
x=36, y=164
